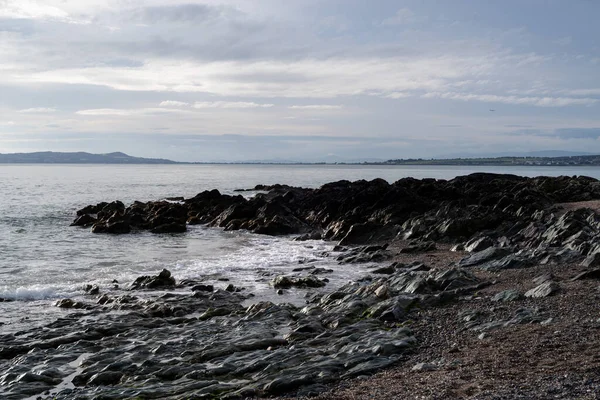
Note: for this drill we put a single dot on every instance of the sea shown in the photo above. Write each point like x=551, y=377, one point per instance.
x=43, y=259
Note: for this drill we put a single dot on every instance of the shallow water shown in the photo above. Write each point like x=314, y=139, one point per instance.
x=43, y=259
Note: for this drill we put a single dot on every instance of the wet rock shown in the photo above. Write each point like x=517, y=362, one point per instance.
x=84, y=220
x=286, y=282
x=70, y=303
x=203, y=288
x=105, y=378
x=118, y=227
x=162, y=280
x=546, y=289
x=91, y=289
x=173, y=227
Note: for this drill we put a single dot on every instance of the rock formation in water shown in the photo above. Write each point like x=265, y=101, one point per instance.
x=486, y=276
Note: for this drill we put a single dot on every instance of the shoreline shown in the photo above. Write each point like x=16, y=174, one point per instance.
x=425, y=315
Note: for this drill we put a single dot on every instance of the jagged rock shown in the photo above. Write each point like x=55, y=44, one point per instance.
x=84, y=220
x=203, y=288
x=544, y=290
x=478, y=244
x=70, y=303
x=592, y=261
x=173, y=227
x=119, y=227
x=538, y=280
x=591, y=274
x=419, y=247
x=286, y=282
x=507, y=295
x=162, y=280
x=489, y=254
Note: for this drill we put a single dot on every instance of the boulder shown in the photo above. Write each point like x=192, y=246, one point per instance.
x=286, y=282
x=162, y=280
x=173, y=227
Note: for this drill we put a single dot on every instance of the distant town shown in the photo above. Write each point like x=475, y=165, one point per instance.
x=501, y=161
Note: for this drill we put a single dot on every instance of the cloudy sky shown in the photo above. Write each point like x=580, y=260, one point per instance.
x=312, y=80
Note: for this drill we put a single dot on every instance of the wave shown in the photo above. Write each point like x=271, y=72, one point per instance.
x=32, y=293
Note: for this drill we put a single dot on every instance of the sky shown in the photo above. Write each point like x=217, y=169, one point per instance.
x=301, y=80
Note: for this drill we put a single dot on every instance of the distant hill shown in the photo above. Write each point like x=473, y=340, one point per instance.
x=50, y=157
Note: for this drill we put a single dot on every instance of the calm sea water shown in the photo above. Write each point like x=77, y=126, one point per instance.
x=43, y=259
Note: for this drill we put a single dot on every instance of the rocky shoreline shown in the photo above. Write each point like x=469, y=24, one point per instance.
x=466, y=270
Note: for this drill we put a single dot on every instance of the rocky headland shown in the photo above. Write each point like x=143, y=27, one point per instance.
x=484, y=286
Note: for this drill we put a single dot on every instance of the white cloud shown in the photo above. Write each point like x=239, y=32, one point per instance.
x=402, y=16
x=516, y=100
x=28, y=9
x=398, y=95
x=307, y=78
x=583, y=92
x=127, y=112
x=38, y=110
x=173, y=103
x=317, y=107
x=230, y=104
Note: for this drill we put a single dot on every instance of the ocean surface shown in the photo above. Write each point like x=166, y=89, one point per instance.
x=43, y=259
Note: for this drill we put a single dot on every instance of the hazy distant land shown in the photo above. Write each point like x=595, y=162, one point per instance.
x=49, y=157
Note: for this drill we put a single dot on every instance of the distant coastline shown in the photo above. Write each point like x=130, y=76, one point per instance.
x=49, y=157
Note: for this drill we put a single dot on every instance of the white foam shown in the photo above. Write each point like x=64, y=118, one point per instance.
x=35, y=292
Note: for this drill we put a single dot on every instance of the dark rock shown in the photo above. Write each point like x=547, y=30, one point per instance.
x=118, y=227
x=286, y=282
x=84, y=220
x=203, y=288
x=592, y=261
x=162, y=280
x=489, y=254
x=173, y=227
x=507, y=295
x=70, y=303
x=478, y=244
x=591, y=274
x=418, y=247
x=105, y=378
x=91, y=289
